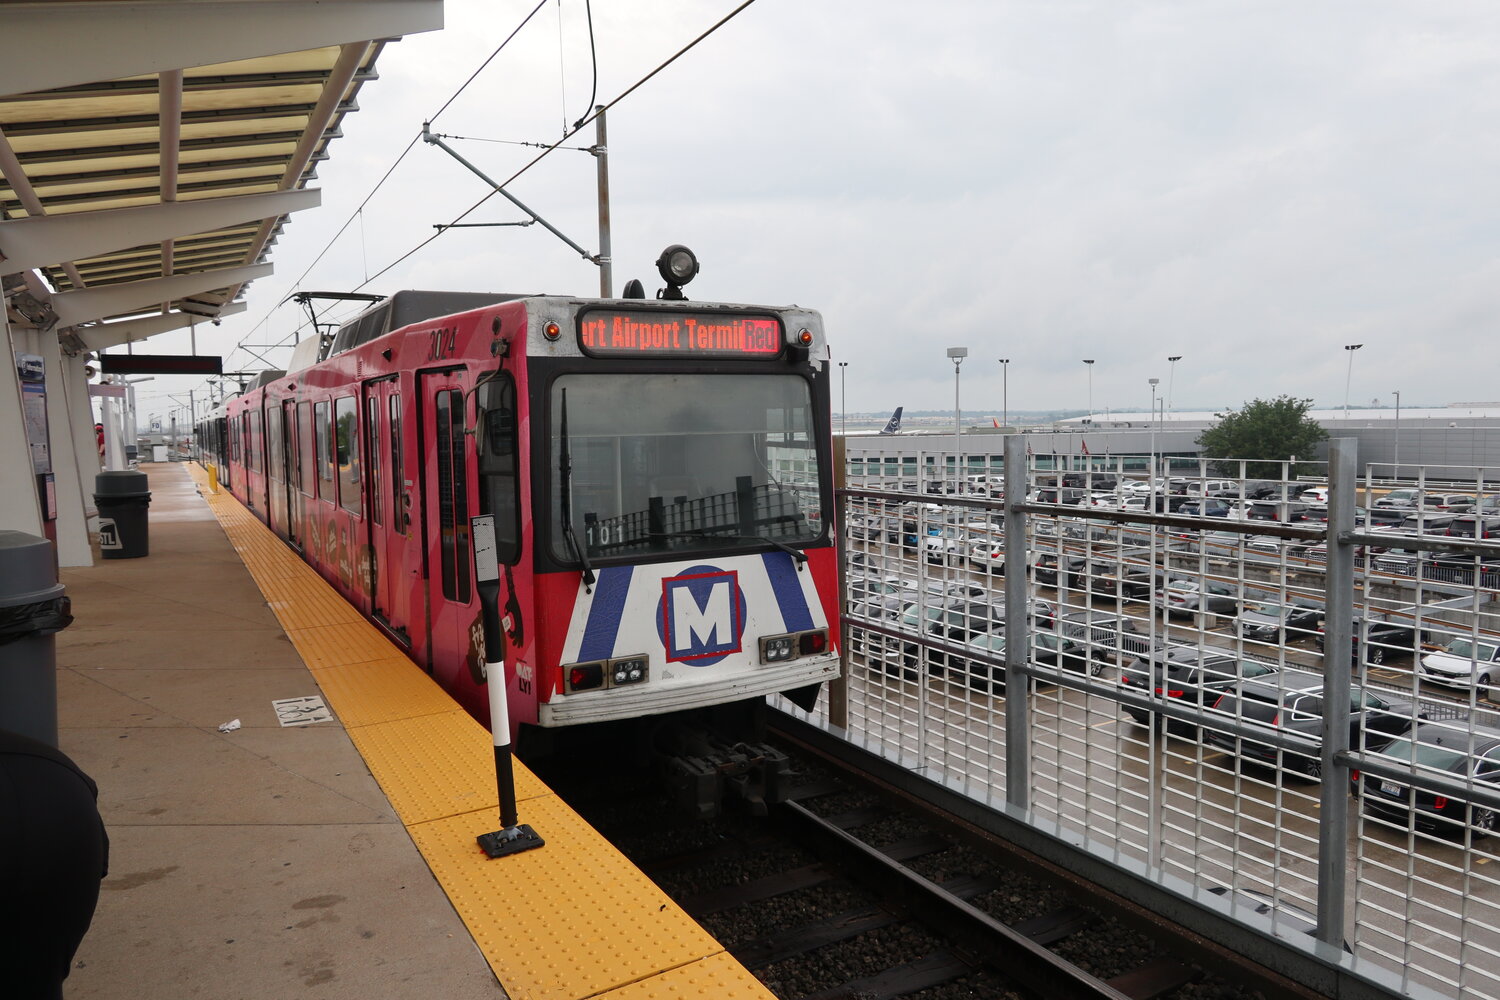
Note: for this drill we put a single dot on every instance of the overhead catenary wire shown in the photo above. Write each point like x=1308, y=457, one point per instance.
x=594, y=113
x=390, y=170
x=545, y=150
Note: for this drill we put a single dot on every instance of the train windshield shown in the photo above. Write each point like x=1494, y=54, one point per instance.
x=682, y=463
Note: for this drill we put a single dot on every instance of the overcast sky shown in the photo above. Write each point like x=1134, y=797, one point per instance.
x=1251, y=186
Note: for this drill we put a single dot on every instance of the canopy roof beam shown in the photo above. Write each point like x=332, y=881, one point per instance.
x=46, y=240
x=110, y=40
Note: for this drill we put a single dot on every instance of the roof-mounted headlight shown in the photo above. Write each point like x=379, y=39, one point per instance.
x=677, y=265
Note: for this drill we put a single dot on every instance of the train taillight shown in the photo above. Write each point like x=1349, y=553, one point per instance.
x=584, y=676
x=793, y=645
x=620, y=671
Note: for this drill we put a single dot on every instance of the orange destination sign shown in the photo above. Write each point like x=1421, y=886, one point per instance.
x=625, y=333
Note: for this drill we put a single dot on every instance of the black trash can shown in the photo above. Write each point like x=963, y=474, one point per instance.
x=33, y=609
x=122, y=499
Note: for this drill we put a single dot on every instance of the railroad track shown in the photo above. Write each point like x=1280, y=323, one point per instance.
x=846, y=892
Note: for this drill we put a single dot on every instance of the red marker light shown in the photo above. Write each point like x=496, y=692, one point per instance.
x=810, y=643
x=804, y=337
x=551, y=331
x=1440, y=802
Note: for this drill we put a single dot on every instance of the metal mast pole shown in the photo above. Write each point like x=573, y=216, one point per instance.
x=601, y=155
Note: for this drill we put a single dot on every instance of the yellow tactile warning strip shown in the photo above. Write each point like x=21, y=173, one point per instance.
x=572, y=919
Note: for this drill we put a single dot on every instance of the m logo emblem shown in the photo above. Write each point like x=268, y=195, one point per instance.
x=701, y=617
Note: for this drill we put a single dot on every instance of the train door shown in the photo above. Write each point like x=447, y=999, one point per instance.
x=446, y=506
x=394, y=580
x=275, y=471
x=291, y=470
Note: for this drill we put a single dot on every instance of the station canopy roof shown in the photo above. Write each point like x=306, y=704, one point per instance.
x=156, y=196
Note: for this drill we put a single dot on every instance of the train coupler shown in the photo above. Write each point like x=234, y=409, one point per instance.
x=754, y=773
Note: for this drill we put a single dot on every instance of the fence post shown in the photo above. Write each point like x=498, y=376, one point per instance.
x=1017, y=601
x=1338, y=645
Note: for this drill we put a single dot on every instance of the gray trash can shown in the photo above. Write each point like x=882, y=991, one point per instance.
x=33, y=609
x=122, y=499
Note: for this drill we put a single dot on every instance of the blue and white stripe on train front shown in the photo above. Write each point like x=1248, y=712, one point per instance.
x=673, y=636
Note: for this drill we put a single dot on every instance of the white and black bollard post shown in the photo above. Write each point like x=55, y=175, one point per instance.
x=512, y=837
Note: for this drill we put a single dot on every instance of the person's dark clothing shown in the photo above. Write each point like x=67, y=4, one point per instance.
x=53, y=854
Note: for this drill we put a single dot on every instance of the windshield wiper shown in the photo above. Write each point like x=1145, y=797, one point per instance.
x=796, y=554
x=565, y=482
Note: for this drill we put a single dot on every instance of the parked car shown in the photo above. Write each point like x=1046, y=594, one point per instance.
x=1445, y=750
x=1115, y=634
x=1276, y=510
x=1187, y=597
x=1047, y=563
x=1465, y=662
x=1484, y=505
x=982, y=664
x=1061, y=495
x=1205, y=507
x=1448, y=501
x=1314, y=494
x=1189, y=675
x=1475, y=526
x=1273, y=621
x=1293, y=703
x=1381, y=636
x=1403, y=498
x=1260, y=489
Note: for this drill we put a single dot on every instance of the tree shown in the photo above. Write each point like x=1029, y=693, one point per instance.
x=1265, y=433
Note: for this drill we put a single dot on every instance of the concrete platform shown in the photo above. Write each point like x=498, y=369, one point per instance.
x=264, y=862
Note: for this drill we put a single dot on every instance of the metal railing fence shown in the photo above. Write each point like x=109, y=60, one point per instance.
x=1133, y=682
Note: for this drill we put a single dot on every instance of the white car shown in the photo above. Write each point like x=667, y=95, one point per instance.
x=1315, y=494
x=1465, y=663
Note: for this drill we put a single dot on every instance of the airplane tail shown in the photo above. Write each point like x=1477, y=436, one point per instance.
x=894, y=425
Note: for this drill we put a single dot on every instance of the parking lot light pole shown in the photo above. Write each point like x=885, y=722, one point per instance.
x=1351, y=348
x=1396, y=457
x=1171, y=376
x=956, y=355
x=1005, y=391
x=1152, y=470
x=843, y=402
x=1090, y=363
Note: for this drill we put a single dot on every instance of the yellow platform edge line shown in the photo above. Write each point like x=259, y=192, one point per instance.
x=642, y=946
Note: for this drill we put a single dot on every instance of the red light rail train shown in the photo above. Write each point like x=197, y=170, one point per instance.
x=658, y=474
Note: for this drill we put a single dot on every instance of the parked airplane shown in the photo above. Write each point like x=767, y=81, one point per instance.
x=894, y=425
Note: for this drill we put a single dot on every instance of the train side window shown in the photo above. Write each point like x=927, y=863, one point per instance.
x=398, y=485
x=453, y=495
x=277, y=468
x=323, y=427
x=372, y=454
x=500, y=482
x=346, y=439
x=305, y=454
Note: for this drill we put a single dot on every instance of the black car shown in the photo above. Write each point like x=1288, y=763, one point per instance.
x=1382, y=636
x=1045, y=571
x=1278, y=510
x=1204, y=507
x=1292, y=702
x=1450, y=752
x=1188, y=675
x=1273, y=621
x=1062, y=495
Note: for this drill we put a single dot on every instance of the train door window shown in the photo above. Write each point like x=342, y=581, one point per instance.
x=234, y=440
x=346, y=440
x=453, y=494
x=398, y=484
x=305, y=448
x=372, y=454
x=277, y=456
x=500, y=483
x=323, y=426
x=256, y=442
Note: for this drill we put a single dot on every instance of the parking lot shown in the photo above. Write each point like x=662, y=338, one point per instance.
x=1134, y=632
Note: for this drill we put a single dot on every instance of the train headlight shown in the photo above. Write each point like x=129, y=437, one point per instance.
x=677, y=265
x=776, y=648
x=627, y=670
